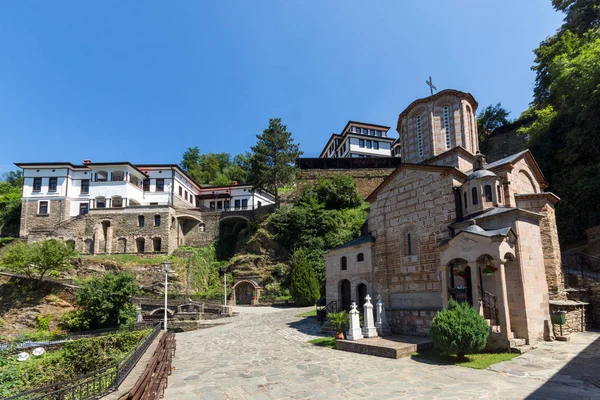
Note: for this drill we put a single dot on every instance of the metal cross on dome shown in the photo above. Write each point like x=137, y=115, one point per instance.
x=430, y=84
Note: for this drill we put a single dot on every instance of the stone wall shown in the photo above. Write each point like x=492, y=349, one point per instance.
x=503, y=144
x=419, y=203
x=577, y=319
x=410, y=323
x=58, y=211
x=367, y=179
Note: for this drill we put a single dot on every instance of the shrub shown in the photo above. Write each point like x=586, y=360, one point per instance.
x=304, y=287
x=339, y=320
x=44, y=322
x=459, y=330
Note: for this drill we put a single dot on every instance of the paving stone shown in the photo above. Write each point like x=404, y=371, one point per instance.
x=263, y=354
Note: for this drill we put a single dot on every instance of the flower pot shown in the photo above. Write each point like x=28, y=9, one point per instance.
x=339, y=336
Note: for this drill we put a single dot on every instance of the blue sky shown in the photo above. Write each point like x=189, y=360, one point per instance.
x=141, y=81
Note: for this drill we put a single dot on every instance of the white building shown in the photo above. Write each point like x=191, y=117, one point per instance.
x=359, y=139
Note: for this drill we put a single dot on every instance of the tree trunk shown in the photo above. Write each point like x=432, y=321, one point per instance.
x=461, y=356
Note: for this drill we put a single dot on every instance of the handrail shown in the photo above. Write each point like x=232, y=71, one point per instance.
x=489, y=303
x=94, y=384
x=52, y=339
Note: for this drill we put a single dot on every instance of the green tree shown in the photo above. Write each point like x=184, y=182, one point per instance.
x=304, y=287
x=214, y=168
x=10, y=202
x=490, y=118
x=36, y=260
x=459, y=330
x=273, y=162
x=563, y=136
x=106, y=301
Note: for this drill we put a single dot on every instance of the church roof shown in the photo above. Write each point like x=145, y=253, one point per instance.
x=506, y=160
x=480, y=174
x=423, y=167
x=479, y=231
x=361, y=240
x=445, y=92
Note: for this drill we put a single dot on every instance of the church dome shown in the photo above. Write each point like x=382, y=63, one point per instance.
x=481, y=173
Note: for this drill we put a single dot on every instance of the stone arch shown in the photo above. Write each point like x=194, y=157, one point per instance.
x=121, y=245
x=345, y=294
x=185, y=225
x=140, y=245
x=361, y=293
x=233, y=224
x=418, y=110
x=162, y=311
x=527, y=182
x=246, y=291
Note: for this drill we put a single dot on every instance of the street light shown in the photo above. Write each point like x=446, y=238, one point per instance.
x=166, y=268
x=224, y=270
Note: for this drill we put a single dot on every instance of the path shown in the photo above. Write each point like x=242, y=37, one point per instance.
x=264, y=355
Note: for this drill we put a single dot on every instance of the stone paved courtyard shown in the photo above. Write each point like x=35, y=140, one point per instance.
x=263, y=354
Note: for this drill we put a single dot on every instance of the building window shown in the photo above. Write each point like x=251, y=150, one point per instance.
x=146, y=185
x=487, y=190
x=344, y=263
x=360, y=257
x=419, y=136
x=52, y=184
x=474, y=195
x=361, y=142
x=43, y=208
x=156, y=244
x=160, y=185
x=368, y=144
x=100, y=202
x=465, y=198
x=244, y=204
x=447, y=125
x=85, y=186
x=180, y=191
x=237, y=204
x=499, y=194
x=186, y=195
x=259, y=204
x=227, y=205
x=37, y=184
x=157, y=220
x=101, y=176
x=375, y=145
x=116, y=201
x=372, y=132
x=379, y=133
x=409, y=247
x=141, y=220
x=83, y=208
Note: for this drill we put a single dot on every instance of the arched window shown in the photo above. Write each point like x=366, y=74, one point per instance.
x=419, y=135
x=409, y=247
x=344, y=263
x=487, y=191
x=447, y=125
x=141, y=220
x=474, y=195
x=499, y=194
x=465, y=197
x=360, y=257
x=471, y=132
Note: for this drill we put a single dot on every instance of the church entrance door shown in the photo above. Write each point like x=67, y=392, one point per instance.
x=461, y=285
x=361, y=293
x=346, y=294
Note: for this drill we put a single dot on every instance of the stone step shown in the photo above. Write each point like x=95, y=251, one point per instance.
x=516, y=342
x=522, y=349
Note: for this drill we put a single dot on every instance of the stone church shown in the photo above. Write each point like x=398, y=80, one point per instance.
x=446, y=224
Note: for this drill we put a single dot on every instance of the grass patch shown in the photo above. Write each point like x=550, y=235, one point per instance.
x=328, y=342
x=128, y=260
x=476, y=361
x=311, y=313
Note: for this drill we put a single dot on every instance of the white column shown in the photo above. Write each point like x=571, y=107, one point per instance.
x=354, y=332
x=502, y=297
x=369, y=329
x=383, y=328
x=475, y=286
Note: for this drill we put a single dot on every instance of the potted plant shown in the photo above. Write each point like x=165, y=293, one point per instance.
x=489, y=269
x=338, y=321
x=461, y=272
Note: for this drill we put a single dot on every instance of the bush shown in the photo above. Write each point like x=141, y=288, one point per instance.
x=304, y=287
x=339, y=321
x=459, y=330
x=44, y=323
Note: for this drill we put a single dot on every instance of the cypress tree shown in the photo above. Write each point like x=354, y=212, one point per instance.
x=304, y=287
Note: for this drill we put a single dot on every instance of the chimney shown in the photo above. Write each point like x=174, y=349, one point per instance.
x=87, y=162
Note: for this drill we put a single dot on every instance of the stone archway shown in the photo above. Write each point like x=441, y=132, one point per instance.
x=345, y=294
x=246, y=291
x=185, y=226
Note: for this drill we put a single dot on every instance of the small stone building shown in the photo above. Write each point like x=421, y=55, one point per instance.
x=445, y=224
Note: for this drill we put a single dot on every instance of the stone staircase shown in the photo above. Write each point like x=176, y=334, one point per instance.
x=517, y=345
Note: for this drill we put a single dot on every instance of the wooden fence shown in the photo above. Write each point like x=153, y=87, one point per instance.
x=152, y=383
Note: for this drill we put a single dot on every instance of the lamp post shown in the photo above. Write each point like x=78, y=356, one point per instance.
x=166, y=268
x=224, y=270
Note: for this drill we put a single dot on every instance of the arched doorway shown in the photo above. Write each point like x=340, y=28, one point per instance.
x=460, y=287
x=361, y=293
x=246, y=292
x=346, y=295
x=185, y=225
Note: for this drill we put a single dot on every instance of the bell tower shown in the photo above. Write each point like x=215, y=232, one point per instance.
x=435, y=124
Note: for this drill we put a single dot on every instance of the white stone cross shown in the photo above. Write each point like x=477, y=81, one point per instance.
x=354, y=332
x=369, y=329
